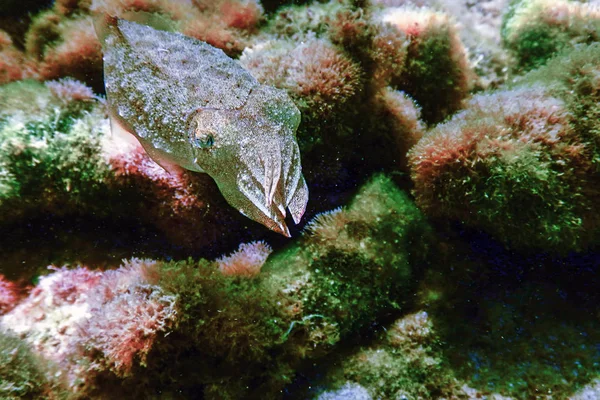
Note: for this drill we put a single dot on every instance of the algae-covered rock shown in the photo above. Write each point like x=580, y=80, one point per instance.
x=50, y=154
x=436, y=73
x=404, y=363
x=367, y=301
x=536, y=30
x=573, y=77
x=22, y=373
x=521, y=164
x=143, y=325
x=414, y=49
x=353, y=264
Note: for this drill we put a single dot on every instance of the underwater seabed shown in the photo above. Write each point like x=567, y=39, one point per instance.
x=515, y=327
x=485, y=321
x=449, y=249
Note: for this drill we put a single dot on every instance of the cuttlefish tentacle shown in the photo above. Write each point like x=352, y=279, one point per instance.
x=194, y=107
x=271, y=217
x=298, y=201
x=293, y=174
x=296, y=190
x=272, y=164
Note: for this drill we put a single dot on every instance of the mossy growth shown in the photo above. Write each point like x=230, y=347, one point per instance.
x=297, y=20
x=573, y=77
x=49, y=151
x=416, y=50
x=535, y=30
x=353, y=265
x=436, y=72
x=26, y=99
x=377, y=48
x=404, y=362
x=226, y=344
x=513, y=165
x=431, y=64
x=22, y=375
x=240, y=337
x=44, y=31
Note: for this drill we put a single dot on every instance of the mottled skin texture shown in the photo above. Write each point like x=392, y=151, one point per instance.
x=190, y=105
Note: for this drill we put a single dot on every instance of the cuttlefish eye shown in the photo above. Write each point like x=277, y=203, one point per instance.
x=203, y=139
x=207, y=126
x=202, y=129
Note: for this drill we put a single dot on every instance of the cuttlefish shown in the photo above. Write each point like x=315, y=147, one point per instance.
x=190, y=105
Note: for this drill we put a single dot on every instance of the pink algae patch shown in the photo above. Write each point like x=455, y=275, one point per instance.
x=10, y=294
x=241, y=16
x=247, y=260
x=88, y=322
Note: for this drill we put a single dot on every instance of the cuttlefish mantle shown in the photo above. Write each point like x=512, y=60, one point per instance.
x=191, y=106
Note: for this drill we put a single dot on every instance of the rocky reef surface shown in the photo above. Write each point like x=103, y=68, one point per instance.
x=450, y=248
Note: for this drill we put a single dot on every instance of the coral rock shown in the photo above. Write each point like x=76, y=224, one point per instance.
x=535, y=30
x=508, y=149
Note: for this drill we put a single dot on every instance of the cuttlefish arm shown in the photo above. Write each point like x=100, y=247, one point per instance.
x=265, y=186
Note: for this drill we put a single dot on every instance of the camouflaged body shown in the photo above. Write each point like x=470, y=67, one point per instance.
x=190, y=104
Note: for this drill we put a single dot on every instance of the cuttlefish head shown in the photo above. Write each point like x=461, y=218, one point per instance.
x=253, y=156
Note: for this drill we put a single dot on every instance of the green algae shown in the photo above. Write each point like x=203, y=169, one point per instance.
x=22, y=374
x=240, y=337
x=404, y=362
x=49, y=152
x=354, y=265
x=536, y=30
x=573, y=76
